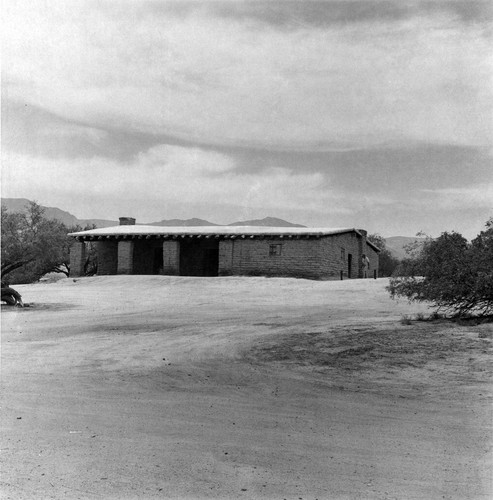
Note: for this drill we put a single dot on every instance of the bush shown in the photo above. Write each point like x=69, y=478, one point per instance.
x=33, y=245
x=406, y=320
x=455, y=276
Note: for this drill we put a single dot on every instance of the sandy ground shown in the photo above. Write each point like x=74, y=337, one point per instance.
x=224, y=388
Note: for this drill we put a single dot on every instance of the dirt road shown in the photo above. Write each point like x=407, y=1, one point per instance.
x=223, y=388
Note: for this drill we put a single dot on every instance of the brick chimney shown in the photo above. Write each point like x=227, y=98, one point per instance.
x=127, y=221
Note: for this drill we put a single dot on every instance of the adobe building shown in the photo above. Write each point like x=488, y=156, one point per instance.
x=316, y=253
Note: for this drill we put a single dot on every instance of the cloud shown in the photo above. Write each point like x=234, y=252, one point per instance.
x=170, y=176
x=476, y=196
x=325, y=13
x=174, y=181
x=200, y=76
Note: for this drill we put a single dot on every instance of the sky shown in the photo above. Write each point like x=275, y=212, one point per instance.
x=336, y=113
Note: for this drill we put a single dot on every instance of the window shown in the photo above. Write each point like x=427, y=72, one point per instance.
x=343, y=253
x=275, y=250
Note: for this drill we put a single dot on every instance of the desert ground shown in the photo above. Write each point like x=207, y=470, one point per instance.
x=137, y=387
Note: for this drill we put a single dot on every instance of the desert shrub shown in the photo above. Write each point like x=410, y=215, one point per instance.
x=32, y=245
x=435, y=316
x=406, y=320
x=455, y=276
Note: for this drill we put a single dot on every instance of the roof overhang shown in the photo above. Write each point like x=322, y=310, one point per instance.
x=369, y=243
x=222, y=232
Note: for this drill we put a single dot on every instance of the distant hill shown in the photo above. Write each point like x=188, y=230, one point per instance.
x=267, y=221
x=20, y=204
x=396, y=245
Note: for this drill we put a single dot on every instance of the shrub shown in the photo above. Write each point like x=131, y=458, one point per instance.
x=455, y=276
x=406, y=320
x=32, y=245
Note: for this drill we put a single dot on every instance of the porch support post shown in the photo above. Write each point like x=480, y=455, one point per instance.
x=77, y=258
x=125, y=257
x=226, y=257
x=171, y=257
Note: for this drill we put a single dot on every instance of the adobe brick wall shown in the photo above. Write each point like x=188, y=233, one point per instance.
x=125, y=257
x=316, y=258
x=77, y=258
x=107, y=252
x=298, y=258
x=309, y=258
x=171, y=257
x=373, y=256
x=225, y=258
x=335, y=256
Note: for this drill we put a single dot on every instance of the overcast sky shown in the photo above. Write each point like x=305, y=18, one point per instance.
x=371, y=114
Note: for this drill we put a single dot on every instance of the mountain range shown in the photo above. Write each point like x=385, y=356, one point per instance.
x=21, y=204
x=395, y=244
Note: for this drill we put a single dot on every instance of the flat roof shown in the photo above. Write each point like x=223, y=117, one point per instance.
x=206, y=230
x=166, y=231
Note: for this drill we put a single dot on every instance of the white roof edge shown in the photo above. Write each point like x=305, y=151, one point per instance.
x=373, y=246
x=220, y=230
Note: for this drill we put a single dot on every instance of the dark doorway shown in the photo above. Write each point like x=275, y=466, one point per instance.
x=148, y=257
x=199, y=257
x=349, y=264
x=157, y=262
x=211, y=261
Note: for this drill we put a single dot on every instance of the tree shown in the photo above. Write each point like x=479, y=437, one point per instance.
x=455, y=276
x=482, y=267
x=387, y=263
x=33, y=245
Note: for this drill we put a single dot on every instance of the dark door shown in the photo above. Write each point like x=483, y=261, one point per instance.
x=349, y=264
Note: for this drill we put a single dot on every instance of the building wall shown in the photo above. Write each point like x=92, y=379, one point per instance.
x=338, y=253
x=293, y=257
x=373, y=256
x=225, y=257
x=107, y=252
x=328, y=257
